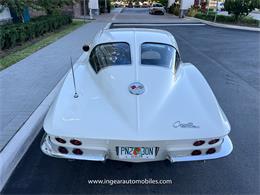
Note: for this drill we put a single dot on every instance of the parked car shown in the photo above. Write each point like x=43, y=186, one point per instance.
x=130, y=5
x=135, y=100
x=136, y=4
x=157, y=8
x=145, y=4
x=221, y=6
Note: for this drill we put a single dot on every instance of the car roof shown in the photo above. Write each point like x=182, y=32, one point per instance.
x=134, y=35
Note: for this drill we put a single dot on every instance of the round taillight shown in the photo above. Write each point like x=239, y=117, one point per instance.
x=211, y=151
x=60, y=140
x=63, y=150
x=75, y=142
x=77, y=151
x=196, y=152
x=198, y=143
x=213, y=141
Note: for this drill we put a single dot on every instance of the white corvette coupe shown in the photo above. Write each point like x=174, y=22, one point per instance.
x=137, y=102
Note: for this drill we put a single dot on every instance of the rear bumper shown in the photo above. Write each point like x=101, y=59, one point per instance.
x=154, y=11
x=226, y=149
x=103, y=153
x=48, y=148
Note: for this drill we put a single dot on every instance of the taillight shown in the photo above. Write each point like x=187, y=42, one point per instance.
x=196, y=152
x=63, y=150
x=75, y=142
x=77, y=151
x=211, y=151
x=213, y=141
x=60, y=140
x=198, y=143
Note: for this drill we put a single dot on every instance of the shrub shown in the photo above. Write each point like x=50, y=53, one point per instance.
x=210, y=16
x=249, y=21
x=228, y=19
x=192, y=11
x=15, y=34
x=240, y=8
x=175, y=9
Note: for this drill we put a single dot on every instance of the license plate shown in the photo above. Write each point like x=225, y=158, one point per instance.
x=136, y=152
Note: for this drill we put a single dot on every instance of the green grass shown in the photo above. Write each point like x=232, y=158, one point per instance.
x=30, y=48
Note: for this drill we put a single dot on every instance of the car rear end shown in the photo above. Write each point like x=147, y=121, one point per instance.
x=157, y=9
x=136, y=151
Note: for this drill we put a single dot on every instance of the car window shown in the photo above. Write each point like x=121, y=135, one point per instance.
x=110, y=54
x=157, y=5
x=158, y=54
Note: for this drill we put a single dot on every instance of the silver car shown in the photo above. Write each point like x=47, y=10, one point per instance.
x=157, y=8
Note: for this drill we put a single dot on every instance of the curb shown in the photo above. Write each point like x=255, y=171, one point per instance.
x=19, y=144
x=226, y=25
x=156, y=24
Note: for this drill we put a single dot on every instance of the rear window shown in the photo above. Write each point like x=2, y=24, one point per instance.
x=110, y=54
x=157, y=5
x=158, y=54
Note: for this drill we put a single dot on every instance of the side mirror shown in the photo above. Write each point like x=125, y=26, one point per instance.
x=85, y=48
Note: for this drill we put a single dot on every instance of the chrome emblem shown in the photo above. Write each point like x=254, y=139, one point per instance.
x=136, y=88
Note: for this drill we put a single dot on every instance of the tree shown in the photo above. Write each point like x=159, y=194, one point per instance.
x=49, y=6
x=163, y=2
x=240, y=8
x=52, y=6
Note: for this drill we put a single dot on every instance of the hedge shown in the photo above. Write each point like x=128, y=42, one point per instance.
x=228, y=19
x=16, y=34
x=209, y=17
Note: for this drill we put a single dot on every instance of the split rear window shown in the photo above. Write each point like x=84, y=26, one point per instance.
x=110, y=54
x=158, y=54
x=118, y=53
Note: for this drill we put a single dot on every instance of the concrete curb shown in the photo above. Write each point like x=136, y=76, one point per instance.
x=226, y=25
x=19, y=144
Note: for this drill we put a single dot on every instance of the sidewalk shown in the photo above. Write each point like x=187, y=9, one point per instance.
x=24, y=85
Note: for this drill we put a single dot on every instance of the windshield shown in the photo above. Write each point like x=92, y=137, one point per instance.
x=158, y=54
x=157, y=5
x=110, y=54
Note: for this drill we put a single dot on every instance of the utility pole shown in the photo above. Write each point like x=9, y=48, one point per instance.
x=181, y=9
x=84, y=11
x=91, y=6
x=215, y=18
x=106, y=6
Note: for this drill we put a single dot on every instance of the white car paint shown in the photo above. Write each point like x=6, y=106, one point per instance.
x=157, y=8
x=176, y=109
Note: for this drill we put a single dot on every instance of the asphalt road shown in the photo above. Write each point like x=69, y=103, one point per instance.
x=229, y=59
x=136, y=11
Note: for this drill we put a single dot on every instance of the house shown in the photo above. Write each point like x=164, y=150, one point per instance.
x=5, y=15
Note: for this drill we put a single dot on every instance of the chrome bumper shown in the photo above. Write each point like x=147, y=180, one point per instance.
x=226, y=149
x=48, y=148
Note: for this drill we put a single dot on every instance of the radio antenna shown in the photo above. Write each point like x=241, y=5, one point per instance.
x=74, y=82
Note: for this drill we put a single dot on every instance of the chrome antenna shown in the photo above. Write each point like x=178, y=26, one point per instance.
x=74, y=82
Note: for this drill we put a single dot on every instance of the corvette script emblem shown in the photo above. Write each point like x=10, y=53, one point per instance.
x=136, y=88
x=178, y=124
